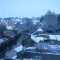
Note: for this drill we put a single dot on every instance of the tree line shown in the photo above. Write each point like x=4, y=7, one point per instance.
x=50, y=22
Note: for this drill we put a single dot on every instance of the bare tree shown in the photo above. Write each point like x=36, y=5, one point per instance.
x=2, y=29
x=50, y=22
x=58, y=19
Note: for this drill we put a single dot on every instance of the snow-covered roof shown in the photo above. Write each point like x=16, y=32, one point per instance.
x=14, y=57
x=17, y=20
x=9, y=27
x=30, y=48
x=18, y=49
x=58, y=37
x=35, y=21
x=52, y=37
x=1, y=40
x=37, y=39
x=39, y=29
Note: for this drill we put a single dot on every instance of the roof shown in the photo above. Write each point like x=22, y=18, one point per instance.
x=37, y=39
x=30, y=48
x=39, y=29
x=1, y=40
x=35, y=22
x=9, y=27
x=18, y=20
x=58, y=37
x=52, y=37
x=18, y=49
x=14, y=51
x=11, y=53
x=14, y=57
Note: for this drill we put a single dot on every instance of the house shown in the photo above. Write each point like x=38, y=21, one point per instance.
x=52, y=53
x=2, y=20
x=9, y=27
x=10, y=31
x=58, y=39
x=10, y=23
x=37, y=39
x=38, y=31
x=8, y=59
x=26, y=52
x=52, y=39
x=45, y=36
x=15, y=21
x=35, y=21
x=13, y=53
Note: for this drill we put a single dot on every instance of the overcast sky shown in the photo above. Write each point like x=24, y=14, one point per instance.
x=28, y=8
